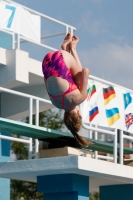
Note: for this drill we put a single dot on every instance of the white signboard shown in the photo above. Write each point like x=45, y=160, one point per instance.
x=108, y=106
x=16, y=19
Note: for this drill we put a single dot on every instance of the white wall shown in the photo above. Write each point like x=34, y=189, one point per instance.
x=23, y=74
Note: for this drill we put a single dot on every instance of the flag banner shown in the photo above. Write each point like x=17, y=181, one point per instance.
x=108, y=94
x=93, y=90
x=127, y=111
x=129, y=120
x=108, y=106
x=16, y=19
x=127, y=99
x=112, y=115
x=93, y=112
x=30, y=25
x=90, y=91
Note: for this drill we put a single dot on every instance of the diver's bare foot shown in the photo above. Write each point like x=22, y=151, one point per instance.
x=65, y=46
x=74, y=42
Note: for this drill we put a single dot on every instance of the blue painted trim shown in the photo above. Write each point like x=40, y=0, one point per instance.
x=64, y=186
x=0, y=104
x=64, y=196
x=116, y=192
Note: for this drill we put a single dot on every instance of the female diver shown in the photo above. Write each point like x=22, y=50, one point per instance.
x=66, y=82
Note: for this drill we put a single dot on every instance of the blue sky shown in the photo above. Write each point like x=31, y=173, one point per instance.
x=105, y=30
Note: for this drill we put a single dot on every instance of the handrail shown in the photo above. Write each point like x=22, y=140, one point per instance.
x=67, y=27
x=21, y=39
x=24, y=95
x=96, y=129
x=31, y=98
x=109, y=83
x=114, y=133
x=14, y=139
x=16, y=45
x=42, y=15
x=37, y=43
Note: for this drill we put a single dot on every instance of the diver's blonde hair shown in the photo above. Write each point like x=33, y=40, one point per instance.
x=73, y=122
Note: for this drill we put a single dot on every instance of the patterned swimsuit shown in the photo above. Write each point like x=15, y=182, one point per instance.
x=54, y=65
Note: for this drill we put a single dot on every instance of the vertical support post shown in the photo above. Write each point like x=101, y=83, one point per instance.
x=71, y=31
x=67, y=30
x=90, y=132
x=115, y=146
x=121, y=147
x=30, y=122
x=13, y=41
x=18, y=41
x=96, y=153
x=30, y=110
x=64, y=187
x=37, y=124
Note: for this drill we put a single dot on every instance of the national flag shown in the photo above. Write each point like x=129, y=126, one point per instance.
x=93, y=112
x=90, y=91
x=108, y=94
x=112, y=115
x=128, y=120
x=127, y=99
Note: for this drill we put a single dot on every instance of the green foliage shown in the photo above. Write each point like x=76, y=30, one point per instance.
x=24, y=189
x=48, y=119
x=94, y=196
x=19, y=149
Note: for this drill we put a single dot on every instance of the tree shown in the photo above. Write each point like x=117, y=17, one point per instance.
x=49, y=119
x=94, y=196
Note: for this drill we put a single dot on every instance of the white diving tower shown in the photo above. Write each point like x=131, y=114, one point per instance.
x=100, y=167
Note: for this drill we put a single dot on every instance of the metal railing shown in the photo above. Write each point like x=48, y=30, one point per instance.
x=17, y=44
x=112, y=131
x=31, y=98
x=21, y=39
x=95, y=129
x=17, y=40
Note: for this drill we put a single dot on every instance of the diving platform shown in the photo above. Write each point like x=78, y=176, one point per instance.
x=98, y=172
x=23, y=93
x=55, y=136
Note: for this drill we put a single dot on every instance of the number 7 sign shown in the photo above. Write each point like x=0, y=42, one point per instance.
x=13, y=9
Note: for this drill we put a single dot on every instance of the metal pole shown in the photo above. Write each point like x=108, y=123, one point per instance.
x=18, y=41
x=30, y=122
x=67, y=30
x=37, y=124
x=90, y=133
x=72, y=31
x=13, y=41
x=121, y=147
x=96, y=153
x=115, y=146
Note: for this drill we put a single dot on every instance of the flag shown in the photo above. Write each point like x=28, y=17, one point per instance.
x=127, y=99
x=90, y=91
x=93, y=112
x=108, y=94
x=112, y=115
x=128, y=120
